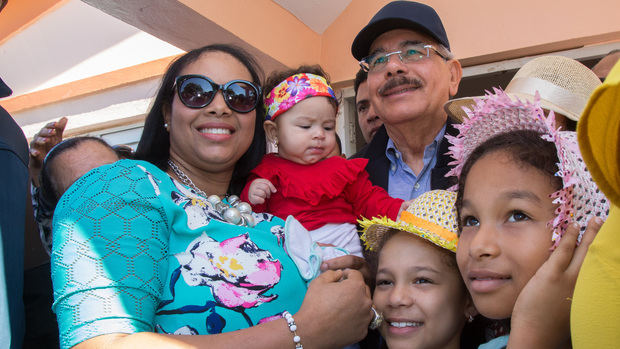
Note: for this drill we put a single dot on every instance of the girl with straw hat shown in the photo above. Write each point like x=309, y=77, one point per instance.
x=418, y=287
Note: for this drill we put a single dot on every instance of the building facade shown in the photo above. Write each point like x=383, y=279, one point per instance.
x=99, y=62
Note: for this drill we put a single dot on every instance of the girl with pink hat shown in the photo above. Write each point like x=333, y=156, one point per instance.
x=524, y=199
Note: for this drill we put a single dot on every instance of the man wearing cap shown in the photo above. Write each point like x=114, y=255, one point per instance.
x=411, y=75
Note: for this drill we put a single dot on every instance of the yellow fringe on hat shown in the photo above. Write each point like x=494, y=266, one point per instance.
x=374, y=229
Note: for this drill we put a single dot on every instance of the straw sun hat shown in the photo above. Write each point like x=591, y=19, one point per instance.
x=564, y=86
x=431, y=216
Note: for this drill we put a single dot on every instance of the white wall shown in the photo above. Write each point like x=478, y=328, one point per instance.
x=75, y=41
x=110, y=105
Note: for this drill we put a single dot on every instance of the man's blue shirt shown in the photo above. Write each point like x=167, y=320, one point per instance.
x=402, y=182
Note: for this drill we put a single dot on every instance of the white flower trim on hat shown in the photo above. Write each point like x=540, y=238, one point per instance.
x=578, y=200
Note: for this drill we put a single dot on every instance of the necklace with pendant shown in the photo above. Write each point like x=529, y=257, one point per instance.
x=236, y=212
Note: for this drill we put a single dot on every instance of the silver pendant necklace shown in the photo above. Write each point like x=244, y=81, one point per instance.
x=236, y=212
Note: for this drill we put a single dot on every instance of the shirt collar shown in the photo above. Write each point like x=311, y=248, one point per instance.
x=395, y=156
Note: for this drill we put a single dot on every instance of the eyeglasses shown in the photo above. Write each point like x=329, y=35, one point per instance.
x=198, y=91
x=409, y=54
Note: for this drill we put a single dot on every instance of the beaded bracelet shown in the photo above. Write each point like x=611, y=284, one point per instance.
x=293, y=328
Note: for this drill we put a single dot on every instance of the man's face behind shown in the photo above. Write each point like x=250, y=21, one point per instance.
x=366, y=116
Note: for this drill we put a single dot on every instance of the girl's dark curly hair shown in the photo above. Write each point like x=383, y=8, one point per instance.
x=525, y=147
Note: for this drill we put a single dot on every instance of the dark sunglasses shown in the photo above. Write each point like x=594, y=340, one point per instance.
x=197, y=91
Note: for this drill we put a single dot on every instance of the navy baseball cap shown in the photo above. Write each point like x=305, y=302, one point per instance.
x=400, y=15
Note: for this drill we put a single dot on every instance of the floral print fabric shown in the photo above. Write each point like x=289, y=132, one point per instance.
x=137, y=251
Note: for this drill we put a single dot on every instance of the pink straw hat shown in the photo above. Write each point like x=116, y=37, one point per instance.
x=579, y=199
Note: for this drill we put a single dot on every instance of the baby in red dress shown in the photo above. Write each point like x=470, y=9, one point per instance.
x=326, y=194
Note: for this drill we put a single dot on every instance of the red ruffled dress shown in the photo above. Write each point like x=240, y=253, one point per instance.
x=334, y=190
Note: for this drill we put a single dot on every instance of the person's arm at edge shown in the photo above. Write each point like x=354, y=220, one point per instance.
x=274, y=334
x=42, y=142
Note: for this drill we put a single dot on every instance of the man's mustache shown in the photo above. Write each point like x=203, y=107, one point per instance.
x=400, y=81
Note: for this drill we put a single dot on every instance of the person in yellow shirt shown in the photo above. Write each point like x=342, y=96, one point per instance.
x=595, y=311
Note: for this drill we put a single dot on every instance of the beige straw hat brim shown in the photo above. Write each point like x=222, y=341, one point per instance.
x=564, y=86
x=454, y=108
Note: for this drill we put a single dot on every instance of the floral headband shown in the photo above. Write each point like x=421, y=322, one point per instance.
x=293, y=90
x=578, y=200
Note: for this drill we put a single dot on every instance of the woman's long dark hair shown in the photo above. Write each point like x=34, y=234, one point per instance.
x=154, y=145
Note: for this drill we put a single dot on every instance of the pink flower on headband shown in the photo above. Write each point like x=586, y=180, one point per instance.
x=288, y=104
x=579, y=199
x=307, y=92
x=296, y=84
x=293, y=90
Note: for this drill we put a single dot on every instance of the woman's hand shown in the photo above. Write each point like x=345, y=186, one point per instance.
x=348, y=262
x=42, y=142
x=336, y=310
x=540, y=318
x=260, y=190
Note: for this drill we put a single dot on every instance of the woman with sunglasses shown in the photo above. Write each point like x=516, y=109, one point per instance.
x=147, y=251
